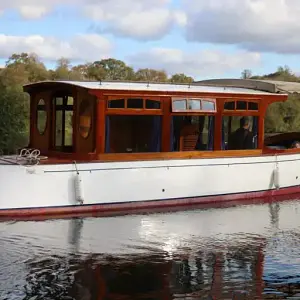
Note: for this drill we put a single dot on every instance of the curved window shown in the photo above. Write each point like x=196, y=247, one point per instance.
x=85, y=118
x=41, y=121
x=193, y=105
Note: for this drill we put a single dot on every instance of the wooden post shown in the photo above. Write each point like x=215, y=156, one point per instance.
x=100, y=121
x=33, y=119
x=166, y=124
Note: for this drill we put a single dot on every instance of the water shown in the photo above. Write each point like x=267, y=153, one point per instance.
x=241, y=252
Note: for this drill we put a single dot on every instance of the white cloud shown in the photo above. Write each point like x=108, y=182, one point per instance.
x=33, y=12
x=139, y=19
x=31, y=9
x=81, y=47
x=256, y=25
x=201, y=63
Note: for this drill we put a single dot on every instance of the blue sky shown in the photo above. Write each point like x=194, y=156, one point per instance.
x=204, y=39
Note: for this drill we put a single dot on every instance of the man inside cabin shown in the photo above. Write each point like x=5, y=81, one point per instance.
x=242, y=138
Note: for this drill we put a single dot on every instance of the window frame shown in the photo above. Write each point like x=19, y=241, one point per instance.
x=246, y=111
x=188, y=111
x=133, y=111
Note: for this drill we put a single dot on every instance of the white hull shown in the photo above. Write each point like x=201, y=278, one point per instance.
x=114, y=183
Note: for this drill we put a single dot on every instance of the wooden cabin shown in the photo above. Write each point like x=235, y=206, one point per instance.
x=112, y=121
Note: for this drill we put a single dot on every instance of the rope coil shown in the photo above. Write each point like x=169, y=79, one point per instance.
x=26, y=157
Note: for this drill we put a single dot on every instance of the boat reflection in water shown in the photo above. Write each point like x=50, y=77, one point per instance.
x=241, y=252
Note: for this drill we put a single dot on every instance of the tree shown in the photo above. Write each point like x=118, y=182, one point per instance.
x=14, y=116
x=62, y=71
x=29, y=65
x=115, y=69
x=246, y=74
x=151, y=75
x=181, y=78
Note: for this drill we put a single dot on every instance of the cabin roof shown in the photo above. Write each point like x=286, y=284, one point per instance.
x=270, y=86
x=196, y=87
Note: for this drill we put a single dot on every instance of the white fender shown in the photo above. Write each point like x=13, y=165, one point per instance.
x=78, y=186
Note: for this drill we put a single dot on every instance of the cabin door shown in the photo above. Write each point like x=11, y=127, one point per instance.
x=63, y=123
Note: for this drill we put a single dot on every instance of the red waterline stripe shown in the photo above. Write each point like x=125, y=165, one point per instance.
x=111, y=209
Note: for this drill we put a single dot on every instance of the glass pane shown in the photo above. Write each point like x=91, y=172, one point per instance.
x=241, y=105
x=179, y=104
x=116, y=103
x=70, y=101
x=152, y=104
x=85, y=118
x=135, y=103
x=208, y=105
x=69, y=128
x=252, y=106
x=58, y=128
x=194, y=104
x=41, y=117
x=59, y=101
x=229, y=105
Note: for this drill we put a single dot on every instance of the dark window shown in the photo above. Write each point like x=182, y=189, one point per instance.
x=118, y=103
x=241, y=105
x=229, y=105
x=152, y=104
x=133, y=134
x=252, y=106
x=135, y=103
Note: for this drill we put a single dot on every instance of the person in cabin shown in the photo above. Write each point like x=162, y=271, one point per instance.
x=296, y=144
x=242, y=138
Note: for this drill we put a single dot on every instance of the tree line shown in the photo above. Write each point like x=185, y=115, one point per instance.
x=27, y=68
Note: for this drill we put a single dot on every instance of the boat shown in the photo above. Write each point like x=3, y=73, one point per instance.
x=116, y=147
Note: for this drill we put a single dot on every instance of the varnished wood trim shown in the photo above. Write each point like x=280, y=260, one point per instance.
x=190, y=113
x=129, y=111
x=100, y=126
x=241, y=113
x=63, y=158
x=166, y=125
x=112, y=96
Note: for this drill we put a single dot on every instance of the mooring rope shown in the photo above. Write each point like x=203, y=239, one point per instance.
x=27, y=157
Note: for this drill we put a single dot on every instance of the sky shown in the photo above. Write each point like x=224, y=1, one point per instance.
x=201, y=38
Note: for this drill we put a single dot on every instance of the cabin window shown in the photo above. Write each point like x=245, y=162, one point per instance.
x=133, y=134
x=152, y=104
x=241, y=105
x=133, y=103
x=252, y=106
x=116, y=103
x=239, y=132
x=63, y=134
x=134, y=128
x=41, y=117
x=192, y=133
x=85, y=118
x=193, y=105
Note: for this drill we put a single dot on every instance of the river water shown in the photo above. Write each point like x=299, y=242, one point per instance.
x=240, y=252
